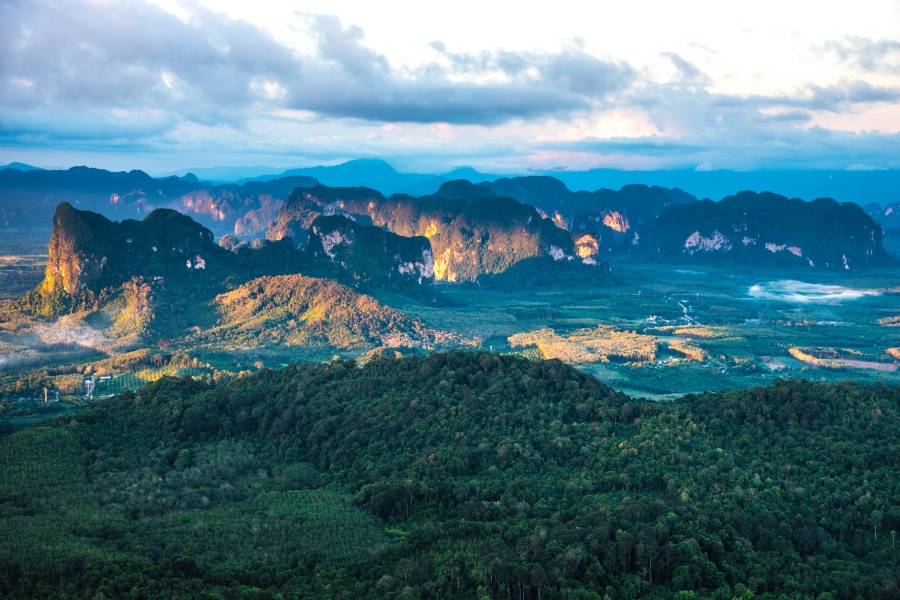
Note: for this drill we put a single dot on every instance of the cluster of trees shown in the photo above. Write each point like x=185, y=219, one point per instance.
x=488, y=476
x=690, y=352
x=810, y=358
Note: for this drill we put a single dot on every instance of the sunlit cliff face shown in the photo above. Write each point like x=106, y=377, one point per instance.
x=560, y=221
x=202, y=203
x=616, y=222
x=586, y=245
x=442, y=267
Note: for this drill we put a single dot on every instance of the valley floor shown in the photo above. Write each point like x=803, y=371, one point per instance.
x=664, y=331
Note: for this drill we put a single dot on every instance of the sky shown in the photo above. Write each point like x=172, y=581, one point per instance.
x=505, y=87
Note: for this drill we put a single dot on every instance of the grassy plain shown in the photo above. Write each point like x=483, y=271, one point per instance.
x=23, y=258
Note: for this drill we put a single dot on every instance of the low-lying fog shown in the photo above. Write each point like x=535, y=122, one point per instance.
x=790, y=290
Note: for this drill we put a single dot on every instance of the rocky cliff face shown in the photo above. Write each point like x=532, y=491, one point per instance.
x=471, y=233
x=306, y=204
x=769, y=230
x=358, y=254
x=888, y=217
x=619, y=219
x=88, y=252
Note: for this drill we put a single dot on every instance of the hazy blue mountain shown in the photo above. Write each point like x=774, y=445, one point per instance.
x=380, y=175
x=20, y=166
x=861, y=187
x=227, y=174
x=28, y=199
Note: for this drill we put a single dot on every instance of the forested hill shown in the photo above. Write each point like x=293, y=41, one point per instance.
x=455, y=475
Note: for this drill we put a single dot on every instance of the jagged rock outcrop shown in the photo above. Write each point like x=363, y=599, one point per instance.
x=619, y=219
x=306, y=204
x=364, y=254
x=88, y=252
x=471, y=233
x=769, y=230
x=888, y=217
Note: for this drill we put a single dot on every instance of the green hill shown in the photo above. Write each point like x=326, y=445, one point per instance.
x=294, y=310
x=455, y=475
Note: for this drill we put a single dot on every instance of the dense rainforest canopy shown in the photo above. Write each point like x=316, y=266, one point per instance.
x=454, y=475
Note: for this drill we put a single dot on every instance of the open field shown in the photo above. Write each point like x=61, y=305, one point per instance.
x=20, y=273
x=716, y=328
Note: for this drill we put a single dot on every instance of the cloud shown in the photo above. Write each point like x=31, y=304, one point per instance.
x=571, y=68
x=870, y=55
x=343, y=47
x=841, y=96
x=731, y=132
x=486, y=88
x=211, y=70
x=690, y=73
x=110, y=74
x=70, y=57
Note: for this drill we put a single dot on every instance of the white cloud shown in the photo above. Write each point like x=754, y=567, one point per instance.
x=596, y=86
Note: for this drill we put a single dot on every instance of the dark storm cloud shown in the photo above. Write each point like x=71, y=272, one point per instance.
x=870, y=55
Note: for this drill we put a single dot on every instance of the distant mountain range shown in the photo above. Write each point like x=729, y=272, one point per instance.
x=20, y=166
x=29, y=198
x=377, y=174
x=860, y=186
x=466, y=230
